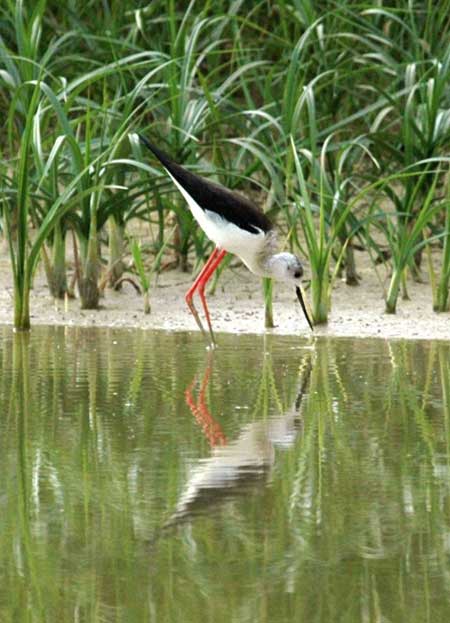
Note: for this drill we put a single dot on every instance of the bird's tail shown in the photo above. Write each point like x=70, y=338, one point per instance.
x=164, y=159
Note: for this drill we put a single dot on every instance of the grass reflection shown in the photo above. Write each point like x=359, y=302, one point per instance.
x=347, y=519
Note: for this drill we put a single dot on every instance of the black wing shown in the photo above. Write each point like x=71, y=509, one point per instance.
x=209, y=196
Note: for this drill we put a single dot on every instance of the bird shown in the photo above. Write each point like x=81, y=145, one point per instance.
x=236, y=225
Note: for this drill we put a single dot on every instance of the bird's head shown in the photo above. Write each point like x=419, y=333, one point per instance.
x=287, y=267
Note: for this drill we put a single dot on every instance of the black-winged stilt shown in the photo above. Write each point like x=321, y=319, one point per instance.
x=235, y=225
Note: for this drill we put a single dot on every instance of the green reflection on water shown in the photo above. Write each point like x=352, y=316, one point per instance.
x=143, y=480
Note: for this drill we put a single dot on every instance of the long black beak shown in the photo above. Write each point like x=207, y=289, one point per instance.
x=302, y=303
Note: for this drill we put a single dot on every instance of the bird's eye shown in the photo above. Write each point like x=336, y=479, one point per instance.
x=298, y=274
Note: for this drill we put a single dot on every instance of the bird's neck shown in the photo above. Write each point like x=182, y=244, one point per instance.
x=273, y=266
x=265, y=265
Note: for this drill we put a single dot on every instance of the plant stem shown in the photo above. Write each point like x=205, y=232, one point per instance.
x=442, y=296
x=392, y=295
x=442, y=290
x=22, y=306
x=268, y=303
x=405, y=295
x=147, y=308
x=89, y=291
x=319, y=297
x=58, y=284
x=351, y=276
x=115, y=263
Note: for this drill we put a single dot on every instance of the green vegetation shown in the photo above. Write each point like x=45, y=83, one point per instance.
x=334, y=116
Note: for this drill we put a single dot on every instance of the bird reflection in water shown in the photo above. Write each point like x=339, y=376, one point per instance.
x=211, y=429
x=240, y=466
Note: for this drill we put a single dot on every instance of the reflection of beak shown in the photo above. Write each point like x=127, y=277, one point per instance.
x=302, y=303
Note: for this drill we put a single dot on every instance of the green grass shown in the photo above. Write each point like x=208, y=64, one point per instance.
x=334, y=116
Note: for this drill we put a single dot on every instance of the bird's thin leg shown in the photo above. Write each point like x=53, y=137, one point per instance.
x=190, y=293
x=206, y=276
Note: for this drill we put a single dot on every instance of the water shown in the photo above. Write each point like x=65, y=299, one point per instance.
x=143, y=480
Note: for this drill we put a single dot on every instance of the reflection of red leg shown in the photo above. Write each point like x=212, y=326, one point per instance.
x=214, y=431
x=210, y=427
x=206, y=273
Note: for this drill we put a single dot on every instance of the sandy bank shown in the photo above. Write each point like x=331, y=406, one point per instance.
x=237, y=307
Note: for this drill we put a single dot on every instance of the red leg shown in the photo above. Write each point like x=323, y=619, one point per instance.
x=190, y=293
x=203, y=281
x=200, y=283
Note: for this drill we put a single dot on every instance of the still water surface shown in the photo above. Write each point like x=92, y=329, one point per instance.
x=280, y=480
